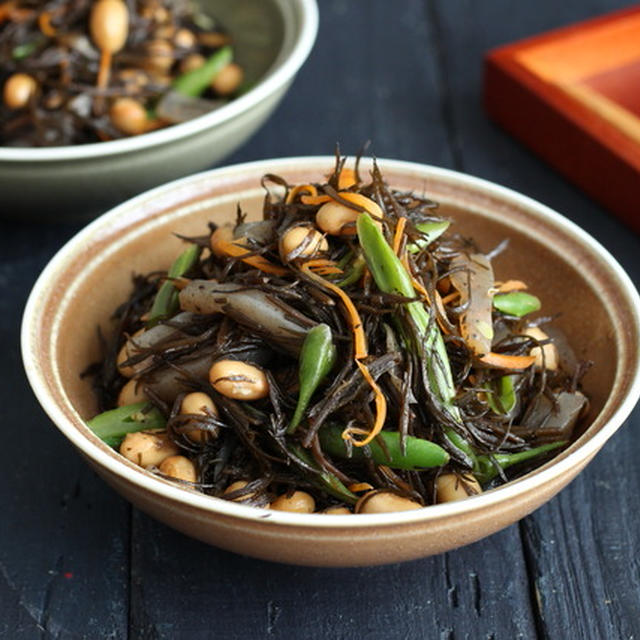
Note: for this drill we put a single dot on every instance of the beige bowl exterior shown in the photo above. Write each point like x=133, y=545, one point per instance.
x=272, y=39
x=91, y=274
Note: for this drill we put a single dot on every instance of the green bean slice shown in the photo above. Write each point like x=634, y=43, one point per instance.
x=112, y=426
x=317, y=357
x=487, y=464
x=386, y=449
x=431, y=231
x=166, y=303
x=516, y=303
x=193, y=83
x=501, y=396
x=325, y=480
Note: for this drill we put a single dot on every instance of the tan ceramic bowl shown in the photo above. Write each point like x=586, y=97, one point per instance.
x=571, y=272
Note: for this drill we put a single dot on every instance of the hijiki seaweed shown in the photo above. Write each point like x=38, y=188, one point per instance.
x=390, y=369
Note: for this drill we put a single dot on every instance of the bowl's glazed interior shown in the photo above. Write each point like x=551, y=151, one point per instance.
x=572, y=275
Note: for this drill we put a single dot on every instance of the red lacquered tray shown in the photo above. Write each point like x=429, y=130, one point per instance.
x=573, y=96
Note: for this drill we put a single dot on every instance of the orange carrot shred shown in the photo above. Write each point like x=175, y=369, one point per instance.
x=300, y=188
x=359, y=337
x=441, y=312
x=44, y=22
x=222, y=244
x=5, y=10
x=359, y=486
x=397, y=236
x=381, y=409
x=320, y=262
x=503, y=361
x=417, y=285
x=317, y=199
x=510, y=285
x=362, y=201
x=450, y=297
x=20, y=15
x=346, y=178
x=329, y=271
x=237, y=251
x=104, y=70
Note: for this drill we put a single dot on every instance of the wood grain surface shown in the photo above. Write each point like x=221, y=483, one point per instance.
x=76, y=561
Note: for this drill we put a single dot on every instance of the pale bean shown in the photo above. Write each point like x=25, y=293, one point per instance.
x=337, y=511
x=147, y=449
x=228, y=79
x=109, y=25
x=129, y=116
x=386, y=502
x=238, y=380
x=302, y=242
x=297, y=502
x=184, y=39
x=178, y=467
x=198, y=403
x=191, y=62
x=546, y=356
x=131, y=393
x=450, y=487
x=18, y=90
x=236, y=486
x=159, y=56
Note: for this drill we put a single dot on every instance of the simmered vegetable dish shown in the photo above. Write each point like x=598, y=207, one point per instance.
x=347, y=353
x=97, y=70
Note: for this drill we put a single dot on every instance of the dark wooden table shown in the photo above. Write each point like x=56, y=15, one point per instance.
x=76, y=561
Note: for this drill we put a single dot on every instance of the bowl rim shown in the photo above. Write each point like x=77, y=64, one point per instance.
x=283, y=69
x=167, y=490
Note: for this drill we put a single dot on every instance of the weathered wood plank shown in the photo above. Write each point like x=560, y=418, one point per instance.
x=367, y=79
x=582, y=547
x=178, y=583
x=64, y=534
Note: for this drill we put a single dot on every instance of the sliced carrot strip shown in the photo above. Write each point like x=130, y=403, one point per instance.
x=320, y=262
x=362, y=201
x=444, y=285
x=301, y=188
x=381, y=409
x=417, y=285
x=20, y=15
x=450, y=297
x=321, y=199
x=44, y=22
x=236, y=251
x=5, y=10
x=397, y=236
x=104, y=71
x=360, y=486
x=441, y=312
x=329, y=271
x=354, y=198
x=346, y=179
x=503, y=361
x=509, y=285
x=359, y=338
x=222, y=245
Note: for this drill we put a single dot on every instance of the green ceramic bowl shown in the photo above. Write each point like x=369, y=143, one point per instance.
x=272, y=40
